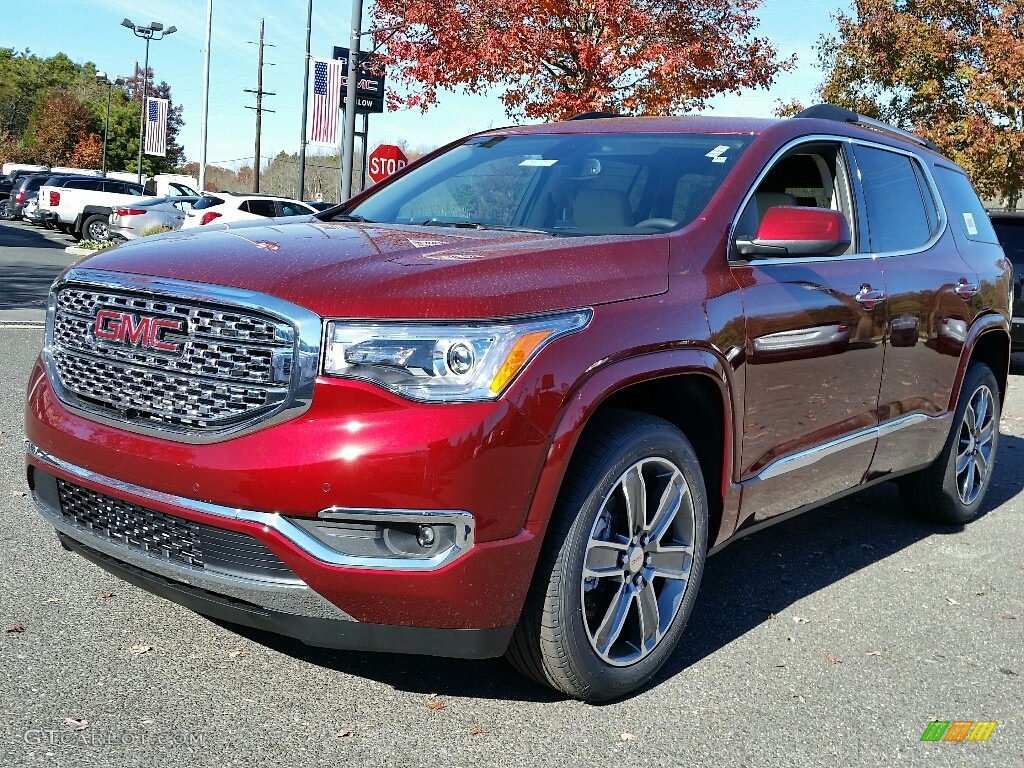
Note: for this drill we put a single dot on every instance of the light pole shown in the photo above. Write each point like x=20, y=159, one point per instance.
x=102, y=79
x=152, y=31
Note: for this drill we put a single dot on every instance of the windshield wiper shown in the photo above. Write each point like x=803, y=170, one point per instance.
x=479, y=225
x=351, y=217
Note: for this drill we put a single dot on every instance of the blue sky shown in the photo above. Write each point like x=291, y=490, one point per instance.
x=89, y=30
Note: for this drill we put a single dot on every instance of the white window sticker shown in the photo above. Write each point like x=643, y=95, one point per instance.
x=537, y=161
x=717, y=154
x=972, y=228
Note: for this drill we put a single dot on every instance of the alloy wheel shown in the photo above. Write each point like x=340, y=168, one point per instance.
x=974, y=447
x=637, y=563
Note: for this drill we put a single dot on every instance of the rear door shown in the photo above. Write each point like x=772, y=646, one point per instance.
x=930, y=297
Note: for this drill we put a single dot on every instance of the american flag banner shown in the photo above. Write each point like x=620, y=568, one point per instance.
x=156, y=126
x=326, y=101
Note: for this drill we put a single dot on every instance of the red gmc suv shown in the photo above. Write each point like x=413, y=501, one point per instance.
x=507, y=401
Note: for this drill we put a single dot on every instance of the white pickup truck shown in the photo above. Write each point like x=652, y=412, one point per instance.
x=81, y=206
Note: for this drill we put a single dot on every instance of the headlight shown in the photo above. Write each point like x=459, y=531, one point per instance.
x=442, y=362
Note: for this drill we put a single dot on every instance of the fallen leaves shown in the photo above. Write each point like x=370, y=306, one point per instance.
x=872, y=653
x=18, y=494
x=15, y=628
x=951, y=601
x=76, y=724
x=237, y=653
x=476, y=730
x=138, y=650
x=627, y=737
x=345, y=732
x=833, y=659
x=434, y=703
x=801, y=620
x=1006, y=616
x=106, y=595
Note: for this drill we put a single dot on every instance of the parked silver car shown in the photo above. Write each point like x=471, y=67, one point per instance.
x=148, y=215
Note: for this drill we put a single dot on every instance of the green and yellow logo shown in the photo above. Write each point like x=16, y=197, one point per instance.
x=958, y=730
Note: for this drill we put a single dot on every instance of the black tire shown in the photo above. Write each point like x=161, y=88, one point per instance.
x=564, y=621
x=95, y=227
x=5, y=210
x=939, y=492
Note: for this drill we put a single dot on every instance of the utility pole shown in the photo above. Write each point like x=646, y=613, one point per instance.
x=260, y=93
x=305, y=103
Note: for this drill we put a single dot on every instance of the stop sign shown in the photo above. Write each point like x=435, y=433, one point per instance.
x=385, y=160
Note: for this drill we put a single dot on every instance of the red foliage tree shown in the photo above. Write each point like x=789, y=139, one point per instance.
x=556, y=58
x=57, y=125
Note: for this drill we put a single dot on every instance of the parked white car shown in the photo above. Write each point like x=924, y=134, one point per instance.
x=224, y=207
x=135, y=219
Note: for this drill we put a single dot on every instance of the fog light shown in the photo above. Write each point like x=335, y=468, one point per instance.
x=425, y=536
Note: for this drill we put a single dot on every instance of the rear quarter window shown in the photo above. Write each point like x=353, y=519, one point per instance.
x=965, y=209
x=208, y=201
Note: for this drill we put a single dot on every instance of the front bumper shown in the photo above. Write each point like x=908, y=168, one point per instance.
x=355, y=448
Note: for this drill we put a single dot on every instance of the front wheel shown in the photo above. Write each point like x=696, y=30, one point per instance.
x=953, y=488
x=621, y=564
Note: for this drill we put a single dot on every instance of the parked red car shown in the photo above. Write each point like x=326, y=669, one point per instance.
x=507, y=401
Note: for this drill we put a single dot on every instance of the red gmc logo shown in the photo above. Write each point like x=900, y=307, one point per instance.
x=137, y=331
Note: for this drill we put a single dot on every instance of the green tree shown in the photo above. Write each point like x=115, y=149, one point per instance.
x=950, y=70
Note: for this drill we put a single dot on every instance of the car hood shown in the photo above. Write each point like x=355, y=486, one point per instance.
x=376, y=270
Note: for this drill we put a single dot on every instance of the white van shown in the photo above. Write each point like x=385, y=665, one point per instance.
x=163, y=184
x=8, y=167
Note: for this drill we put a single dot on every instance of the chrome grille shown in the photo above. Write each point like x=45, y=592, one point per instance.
x=165, y=537
x=133, y=526
x=226, y=367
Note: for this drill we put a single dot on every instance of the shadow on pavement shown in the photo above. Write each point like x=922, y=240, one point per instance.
x=744, y=583
x=16, y=235
x=26, y=286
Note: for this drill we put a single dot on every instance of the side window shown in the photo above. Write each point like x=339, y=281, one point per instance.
x=117, y=187
x=901, y=211
x=965, y=209
x=812, y=175
x=94, y=185
x=292, y=209
x=261, y=207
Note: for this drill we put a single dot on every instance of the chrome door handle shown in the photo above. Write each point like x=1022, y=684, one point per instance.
x=868, y=296
x=965, y=290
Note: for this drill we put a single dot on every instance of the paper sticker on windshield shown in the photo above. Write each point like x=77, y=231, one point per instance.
x=972, y=228
x=717, y=154
x=538, y=162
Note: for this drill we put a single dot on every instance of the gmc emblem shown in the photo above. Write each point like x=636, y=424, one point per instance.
x=134, y=330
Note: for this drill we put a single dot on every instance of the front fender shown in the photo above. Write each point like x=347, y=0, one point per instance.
x=605, y=382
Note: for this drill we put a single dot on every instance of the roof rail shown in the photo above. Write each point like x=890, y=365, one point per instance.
x=593, y=115
x=843, y=115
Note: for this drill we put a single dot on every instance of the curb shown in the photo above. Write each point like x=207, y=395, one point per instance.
x=76, y=251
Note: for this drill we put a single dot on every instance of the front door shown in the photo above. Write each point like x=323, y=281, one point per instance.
x=813, y=347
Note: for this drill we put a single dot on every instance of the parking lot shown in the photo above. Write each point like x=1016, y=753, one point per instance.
x=831, y=639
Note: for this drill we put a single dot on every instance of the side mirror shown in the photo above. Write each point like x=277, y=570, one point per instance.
x=788, y=230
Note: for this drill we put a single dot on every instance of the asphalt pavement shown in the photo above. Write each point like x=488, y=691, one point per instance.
x=832, y=639
x=30, y=258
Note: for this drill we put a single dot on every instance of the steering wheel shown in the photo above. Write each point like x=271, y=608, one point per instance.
x=657, y=224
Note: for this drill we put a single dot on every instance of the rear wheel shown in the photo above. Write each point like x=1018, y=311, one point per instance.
x=95, y=227
x=953, y=488
x=621, y=564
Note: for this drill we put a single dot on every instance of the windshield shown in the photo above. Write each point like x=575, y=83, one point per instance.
x=571, y=184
